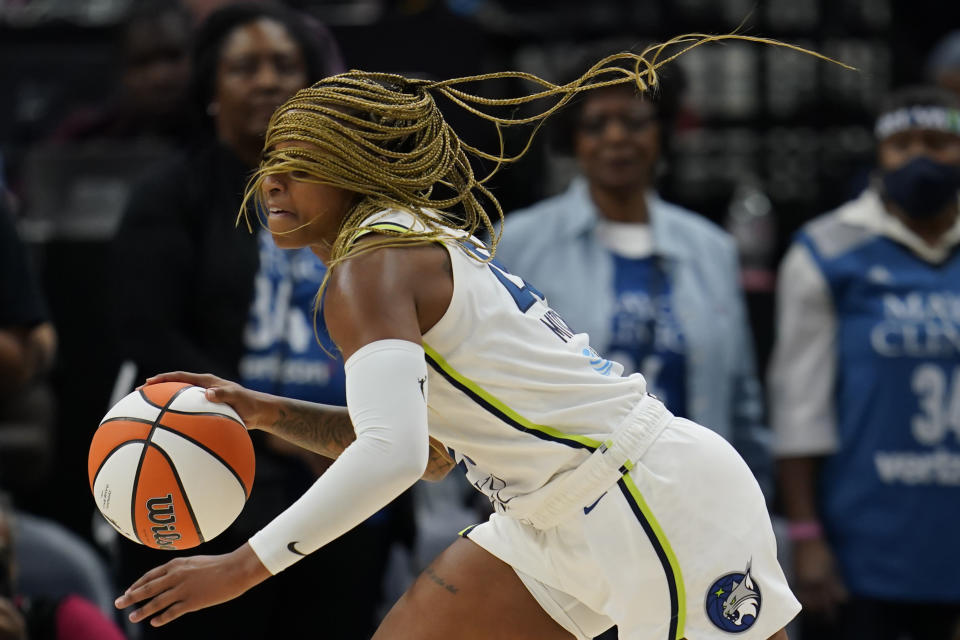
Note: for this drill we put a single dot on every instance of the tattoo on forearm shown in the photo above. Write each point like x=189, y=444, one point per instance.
x=328, y=432
x=432, y=575
x=321, y=431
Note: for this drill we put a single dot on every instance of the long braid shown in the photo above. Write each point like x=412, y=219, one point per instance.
x=383, y=137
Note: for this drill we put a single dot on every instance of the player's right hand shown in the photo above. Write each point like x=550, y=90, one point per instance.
x=190, y=584
x=818, y=584
x=248, y=404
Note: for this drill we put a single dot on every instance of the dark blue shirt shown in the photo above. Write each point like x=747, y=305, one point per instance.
x=283, y=356
x=891, y=493
x=646, y=335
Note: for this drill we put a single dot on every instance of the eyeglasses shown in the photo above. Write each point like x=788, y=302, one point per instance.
x=632, y=123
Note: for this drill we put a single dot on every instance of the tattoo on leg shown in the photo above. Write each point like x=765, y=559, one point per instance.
x=430, y=573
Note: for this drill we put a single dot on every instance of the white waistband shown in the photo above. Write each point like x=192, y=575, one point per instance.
x=582, y=485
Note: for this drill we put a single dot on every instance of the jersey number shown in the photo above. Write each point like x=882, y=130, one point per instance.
x=938, y=394
x=525, y=295
x=273, y=318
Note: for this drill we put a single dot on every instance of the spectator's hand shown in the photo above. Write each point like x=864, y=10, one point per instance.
x=25, y=354
x=819, y=586
x=42, y=346
x=246, y=403
x=12, y=626
x=189, y=584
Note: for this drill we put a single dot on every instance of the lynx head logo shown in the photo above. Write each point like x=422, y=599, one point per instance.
x=733, y=601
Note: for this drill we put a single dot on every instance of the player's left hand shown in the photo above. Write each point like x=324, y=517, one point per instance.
x=189, y=584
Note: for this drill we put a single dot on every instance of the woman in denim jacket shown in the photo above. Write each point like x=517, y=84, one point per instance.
x=654, y=285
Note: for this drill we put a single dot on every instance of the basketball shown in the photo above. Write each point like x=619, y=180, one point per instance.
x=170, y=469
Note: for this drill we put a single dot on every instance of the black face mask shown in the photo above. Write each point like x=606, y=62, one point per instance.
x=923, y=187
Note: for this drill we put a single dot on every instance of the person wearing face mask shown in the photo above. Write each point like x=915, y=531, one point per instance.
x=865, y=389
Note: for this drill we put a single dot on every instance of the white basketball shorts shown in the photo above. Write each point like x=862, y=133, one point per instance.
x=680, y=546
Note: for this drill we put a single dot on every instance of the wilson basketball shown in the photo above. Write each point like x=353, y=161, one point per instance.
x=170, y=469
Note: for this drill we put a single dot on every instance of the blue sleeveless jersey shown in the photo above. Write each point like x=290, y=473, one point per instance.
x=891, y=495
x=283, y=356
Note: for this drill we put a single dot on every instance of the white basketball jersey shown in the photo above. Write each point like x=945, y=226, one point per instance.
x=514, y=394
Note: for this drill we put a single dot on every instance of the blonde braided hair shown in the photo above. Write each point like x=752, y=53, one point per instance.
x=382, y=137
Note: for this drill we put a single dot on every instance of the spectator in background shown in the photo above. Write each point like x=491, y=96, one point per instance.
x=865, y=389
x=151, y=102
x=202, y=295
x=654, y=285
x=247, y=59
x=200, y=9
x=28, y=342
x=943, y=63
x=73, y=186
x=71, y=617
x=27, y=339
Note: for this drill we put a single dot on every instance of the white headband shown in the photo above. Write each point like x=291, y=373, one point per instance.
x=937, y=118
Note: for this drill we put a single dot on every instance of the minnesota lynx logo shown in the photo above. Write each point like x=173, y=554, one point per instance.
x=160, y=513
x=733, y=601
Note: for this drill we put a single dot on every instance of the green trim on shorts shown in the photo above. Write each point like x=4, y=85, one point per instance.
x=667, y=553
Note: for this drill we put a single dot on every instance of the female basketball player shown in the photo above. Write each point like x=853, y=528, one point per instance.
x=609, y=510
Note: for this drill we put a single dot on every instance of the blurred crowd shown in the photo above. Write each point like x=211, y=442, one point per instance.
x=804, y=305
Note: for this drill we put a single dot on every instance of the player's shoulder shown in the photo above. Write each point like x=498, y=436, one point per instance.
x=375, y=269
x=363, y=285
x=369, y=258
x=385, y=291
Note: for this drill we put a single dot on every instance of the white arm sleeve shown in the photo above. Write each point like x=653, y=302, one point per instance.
x=803, y=367
x=386, y=399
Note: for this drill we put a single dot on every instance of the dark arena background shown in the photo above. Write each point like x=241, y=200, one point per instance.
x=765, y=139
